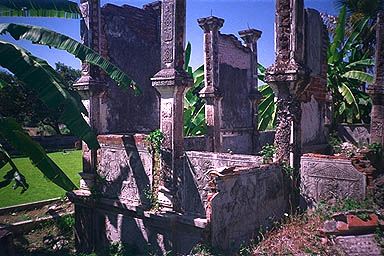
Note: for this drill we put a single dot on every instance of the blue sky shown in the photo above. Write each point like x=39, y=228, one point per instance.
x=238, y=15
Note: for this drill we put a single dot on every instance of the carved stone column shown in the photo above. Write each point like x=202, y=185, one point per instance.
x=376, y=90
x=250, y=38
x=288, y=78
x=210, y=93
x=89, y=84
x=172, y=82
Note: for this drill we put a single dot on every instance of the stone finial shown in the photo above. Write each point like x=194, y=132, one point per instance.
x=210, y=23
x=250, y=36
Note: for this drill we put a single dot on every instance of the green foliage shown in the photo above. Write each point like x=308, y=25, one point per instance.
x=376, y=148
x=23, y=104
x=155, y=140
x=20, y=140
x=40, y=8
x=349, y=59
x=65, y=223
x=42, y=36
x=204, y=250
x=49, y=88
x=334, y=142
x=327, y=210
x=153, y=199
x=267, y=152
x=40, y=188
x=12, y=174
x=194, y=106
x=267, y=106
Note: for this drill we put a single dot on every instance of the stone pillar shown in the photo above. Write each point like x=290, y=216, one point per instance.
x=172, y=82
x=89, y=84
x=210, y=93
x=250, y=38
x=376, y=90
x=288, y=78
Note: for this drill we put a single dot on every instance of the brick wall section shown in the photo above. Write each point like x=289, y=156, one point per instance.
x=318, y=85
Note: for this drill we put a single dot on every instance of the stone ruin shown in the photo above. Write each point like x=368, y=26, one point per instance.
x=205, y=194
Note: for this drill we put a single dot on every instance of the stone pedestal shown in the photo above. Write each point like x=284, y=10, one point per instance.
x=210, y=93
x=172, y=83
x=376, y=90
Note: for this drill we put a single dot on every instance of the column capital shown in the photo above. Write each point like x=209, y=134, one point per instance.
x=250, y=36
x=210, y=23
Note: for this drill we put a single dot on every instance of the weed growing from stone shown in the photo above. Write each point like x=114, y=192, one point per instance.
x=267, y=152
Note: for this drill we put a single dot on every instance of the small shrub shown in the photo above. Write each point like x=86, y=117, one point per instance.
x=267, y=152
x=334, y=142
x=66, y=223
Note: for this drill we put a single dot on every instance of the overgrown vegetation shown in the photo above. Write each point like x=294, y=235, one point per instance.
x=267, y=152
x=155, y=140
x=36, y=74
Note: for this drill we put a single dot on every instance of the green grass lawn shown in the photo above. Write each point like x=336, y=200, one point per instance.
x=39, y=187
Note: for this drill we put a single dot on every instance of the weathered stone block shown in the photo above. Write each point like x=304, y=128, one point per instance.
x=246, y=199
x=359, y=245
x=126, y=167
x=328, y=179
x=196, y=175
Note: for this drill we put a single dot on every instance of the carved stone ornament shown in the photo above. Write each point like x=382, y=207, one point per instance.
x=168, y=16
x=329, y=180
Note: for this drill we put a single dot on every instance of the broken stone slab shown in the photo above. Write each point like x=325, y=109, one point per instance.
x=349, y=223
x=329, y=179
x=359, y=245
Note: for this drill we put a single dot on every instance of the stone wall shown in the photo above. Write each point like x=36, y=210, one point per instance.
x=106, y=221
x=313, y=100
x=196, y=175
x=234, y=83
x=357, y=134
x=131, y=40
x=125, y=167
x=328, y=179
x=244, y=200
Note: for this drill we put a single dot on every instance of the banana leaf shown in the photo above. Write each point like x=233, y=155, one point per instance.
x=349, y=97
x=12, y=174
x=359, y=75
x=39, y=8
x=37, y=75
x=43, y=36
x=14, y=134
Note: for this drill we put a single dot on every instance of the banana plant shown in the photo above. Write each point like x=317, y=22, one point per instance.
x=39, y=8
x=194, y=107
x=348, y=63
x=39, y=76
x=267, y=105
